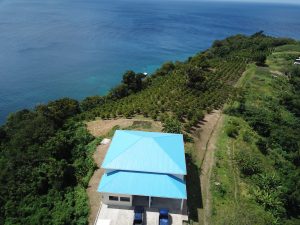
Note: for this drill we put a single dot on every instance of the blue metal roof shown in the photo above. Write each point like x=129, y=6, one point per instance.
x=145, y=184
x=146, y=152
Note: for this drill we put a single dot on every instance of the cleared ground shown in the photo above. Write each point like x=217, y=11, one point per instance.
x=203, y=153
x=203, y=136
x=94, y=196
x=103, y=127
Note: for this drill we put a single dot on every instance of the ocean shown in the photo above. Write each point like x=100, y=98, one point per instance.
x=50, y=49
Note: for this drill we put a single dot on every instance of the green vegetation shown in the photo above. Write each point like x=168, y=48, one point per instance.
x=185, y=91
x=257, y=165
x=45, y=153
x=45, y=166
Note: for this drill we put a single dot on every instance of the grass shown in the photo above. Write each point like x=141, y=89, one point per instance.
x=246, y=75
x=111, y=133
x=288, y=48
x=223, y=161
x=140, y=125
x=231, y=190
x=283, y=56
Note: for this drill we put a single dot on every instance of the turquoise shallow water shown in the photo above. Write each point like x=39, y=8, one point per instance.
x=55, y=48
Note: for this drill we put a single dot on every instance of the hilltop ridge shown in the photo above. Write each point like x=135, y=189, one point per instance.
x=46, y=153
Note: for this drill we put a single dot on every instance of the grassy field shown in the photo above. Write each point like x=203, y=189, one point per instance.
x=282, y=56
x=231, y=193
x=234, y=196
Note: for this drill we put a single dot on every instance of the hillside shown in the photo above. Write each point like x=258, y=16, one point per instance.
x=256, y=176
x=46, y=153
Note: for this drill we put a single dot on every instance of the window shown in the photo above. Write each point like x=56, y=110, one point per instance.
x=124, y=199
x=113, y=198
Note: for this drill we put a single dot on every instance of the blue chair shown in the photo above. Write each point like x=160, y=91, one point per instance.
x=164, y=217
x=138, y=215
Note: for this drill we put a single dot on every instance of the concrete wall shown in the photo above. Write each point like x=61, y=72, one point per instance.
x=107, y=199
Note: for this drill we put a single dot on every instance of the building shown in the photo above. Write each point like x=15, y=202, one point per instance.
x=144, y=165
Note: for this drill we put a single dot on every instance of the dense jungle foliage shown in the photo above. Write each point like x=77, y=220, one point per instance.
x=45, y=153
x=45, y=166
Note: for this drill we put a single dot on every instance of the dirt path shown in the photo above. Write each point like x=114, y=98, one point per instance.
x=205, y=141
x=94, y=196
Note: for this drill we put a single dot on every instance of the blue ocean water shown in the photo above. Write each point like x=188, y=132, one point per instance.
x=55, y=48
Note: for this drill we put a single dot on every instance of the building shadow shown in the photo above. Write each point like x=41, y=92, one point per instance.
x=194, y=199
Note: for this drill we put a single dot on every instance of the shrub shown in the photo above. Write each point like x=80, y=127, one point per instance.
x=187, y=138
x=247, y=137
x=270, y=201
x=262, y=145
x=267, y=181
x=249, y=163
x=246, y=213
x=232, y=131
x=92, y=102
x=172, y=126
x=59, y=110
x=221, y=190
x=260, y=59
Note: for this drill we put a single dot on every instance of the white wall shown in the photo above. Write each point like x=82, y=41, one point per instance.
x=106, y=200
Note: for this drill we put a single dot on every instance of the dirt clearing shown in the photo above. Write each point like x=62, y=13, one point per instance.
x=102, y=127
x=93, y=194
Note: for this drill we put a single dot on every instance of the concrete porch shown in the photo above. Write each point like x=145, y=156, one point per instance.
x=115, y=215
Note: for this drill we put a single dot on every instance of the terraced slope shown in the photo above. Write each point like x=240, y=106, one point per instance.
x=257, y=161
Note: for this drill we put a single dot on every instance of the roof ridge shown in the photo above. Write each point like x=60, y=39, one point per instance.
x=160, y=147
x=169, y=155
x=118, y=155
x=118, y=131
